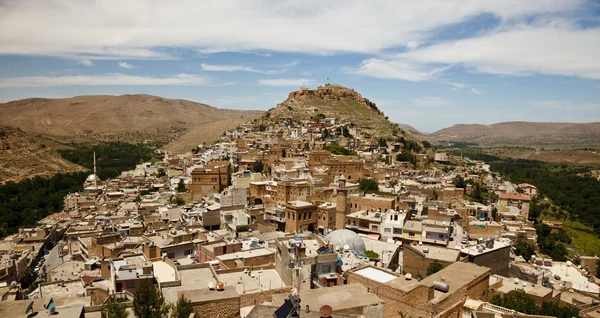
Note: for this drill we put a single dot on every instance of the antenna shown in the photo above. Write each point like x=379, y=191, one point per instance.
x=95, y=176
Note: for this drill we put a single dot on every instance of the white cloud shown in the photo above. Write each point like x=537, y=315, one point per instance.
x=59, y=28
x=102, y=80
x=565, y=105
x=457, y=85
x=286, y=82
x=126, y=65
x=477, y=91
x=86, y=62
x=234, y=68
x=412, y=45
x=522, y=50
x=396, y=69
x=430, y=101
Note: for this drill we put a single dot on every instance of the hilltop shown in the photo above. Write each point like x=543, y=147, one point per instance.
x=523, y=134
x=24, y=156
x=128, y=118
x=334, y=101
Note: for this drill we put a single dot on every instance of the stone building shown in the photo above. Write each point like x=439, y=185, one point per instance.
x=213, y=178
x=301, y=216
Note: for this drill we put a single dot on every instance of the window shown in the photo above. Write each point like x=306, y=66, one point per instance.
x=387, y=230
x=397, y=230
x=171, y=255
x=441, y=236
x=188, y=251
x=310, y=216
x=130, y=284
x=411, y=234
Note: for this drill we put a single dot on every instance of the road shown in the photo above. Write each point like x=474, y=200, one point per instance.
x=458, y=234
x=53, y=259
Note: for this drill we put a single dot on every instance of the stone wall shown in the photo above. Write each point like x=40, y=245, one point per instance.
x=262, y=296
x=222, y=308
x=415, y=262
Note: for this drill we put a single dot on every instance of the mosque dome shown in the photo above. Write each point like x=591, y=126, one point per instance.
x=340, y=238
x=91, y=178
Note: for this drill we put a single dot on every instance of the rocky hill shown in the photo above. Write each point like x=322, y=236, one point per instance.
x=129, y=118
x=334, y=101
x=24, y=156
x=523, y=134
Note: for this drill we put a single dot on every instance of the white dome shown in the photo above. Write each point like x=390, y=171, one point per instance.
x=339, y=238
x=91, y=178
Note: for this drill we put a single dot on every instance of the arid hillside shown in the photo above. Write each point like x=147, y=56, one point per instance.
x=523, y=134
x=24, y=156
x=334, y=101
x=130, y=118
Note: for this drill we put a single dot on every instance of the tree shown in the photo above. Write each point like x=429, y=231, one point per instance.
x=182, y=309
x=371, y=254
x=524, y=247
x=339, y=150
x=434, y=267
x=516, y=300
x=149, y=303
x=181, y=186
x=494, y=213
x=178, y=201
x=459, y=182
x=112, y=309
x=325, y=134
x=258, y=166
x=406, y=156
x=368, y=185
x=426, y=144
x=383, y=142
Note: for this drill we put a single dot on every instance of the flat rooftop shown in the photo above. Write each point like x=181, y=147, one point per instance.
x=338, y=297
x=191, y=279
x=163, y=272
x=474, y=250
x=260, y=280
x=246, y=254
x=376, y=274
x=437, y=252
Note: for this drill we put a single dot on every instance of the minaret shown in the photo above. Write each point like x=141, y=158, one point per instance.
x=341, y=205
x=95, y=175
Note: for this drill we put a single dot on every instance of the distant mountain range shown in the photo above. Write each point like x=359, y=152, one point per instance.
x=520, y=134
x=130, y=118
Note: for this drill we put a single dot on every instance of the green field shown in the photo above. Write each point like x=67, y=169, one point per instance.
x=585, y=241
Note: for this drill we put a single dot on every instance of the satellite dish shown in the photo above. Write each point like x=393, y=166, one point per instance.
x=346, y=247
x=211, y=285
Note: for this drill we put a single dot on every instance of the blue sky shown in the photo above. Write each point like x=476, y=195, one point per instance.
x=430, y=64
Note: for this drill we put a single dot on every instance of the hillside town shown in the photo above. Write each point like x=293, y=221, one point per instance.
x=288, y=218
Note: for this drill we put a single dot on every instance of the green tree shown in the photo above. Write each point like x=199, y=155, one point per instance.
x=516, y=300
x=149, y=303
x=112, y=309
x=434, y=267
x=181, y=186
x=368, y=185
x=325, y=134
x=339, y=150
x=406, y=156
x=426, y=144
x=383, y=142
x=371, y=254
x=459, y=182
x=524, y=247
x=258, y=166
x=178, y=201
x=494, y=213
x=182, y=308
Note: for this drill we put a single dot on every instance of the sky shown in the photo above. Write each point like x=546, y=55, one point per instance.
x=430, y=64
